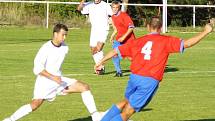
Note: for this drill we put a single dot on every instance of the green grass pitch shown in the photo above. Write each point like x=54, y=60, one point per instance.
x=187, y=92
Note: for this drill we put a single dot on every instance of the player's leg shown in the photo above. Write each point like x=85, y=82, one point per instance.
x=87, y=97
x=126, y=113
x=100, y=54
x=25, y=110
x=116, y=60
x=139, y=93
x=93, y=45
x=114, y=110
x=36, y=103
x=96, y=54
x=98, y=38
x=41, y=90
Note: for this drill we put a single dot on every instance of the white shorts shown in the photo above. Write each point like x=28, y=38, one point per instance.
x=47, y=89
x=97, y=36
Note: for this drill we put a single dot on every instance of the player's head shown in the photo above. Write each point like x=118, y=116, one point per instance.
x=155, y=24
x=60, y=32
x=115, y=6
x=97, y=1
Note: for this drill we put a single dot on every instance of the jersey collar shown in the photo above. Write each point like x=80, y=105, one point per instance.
x=117, y=14
x=154, y=33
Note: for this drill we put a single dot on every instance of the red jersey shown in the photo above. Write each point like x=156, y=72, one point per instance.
x=122, y=22
x=150, y=53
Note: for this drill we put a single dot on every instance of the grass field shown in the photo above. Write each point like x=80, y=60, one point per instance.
x=187, y=92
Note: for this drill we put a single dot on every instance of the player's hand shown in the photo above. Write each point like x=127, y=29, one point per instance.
x=210, y=25
x=57, y=79
x=208, y=28
x=111, y=39
x=212, y=21
x=121, y=39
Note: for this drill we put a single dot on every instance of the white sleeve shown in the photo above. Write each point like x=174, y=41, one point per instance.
x=109, y=10
x=85, y=9
x=40, y=60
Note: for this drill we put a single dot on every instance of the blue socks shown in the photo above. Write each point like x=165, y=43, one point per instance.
x=112, y=113
x=117, y=118
x=116, y=60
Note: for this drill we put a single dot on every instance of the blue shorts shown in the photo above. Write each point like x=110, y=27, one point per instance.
x=116, y=44
x=140, y=91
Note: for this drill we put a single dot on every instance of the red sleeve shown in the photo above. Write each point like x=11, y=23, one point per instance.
x=174, y=45
x=124, y=50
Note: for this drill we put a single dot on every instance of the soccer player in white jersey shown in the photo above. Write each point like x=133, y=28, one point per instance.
x=99, y=13
x=50, y=82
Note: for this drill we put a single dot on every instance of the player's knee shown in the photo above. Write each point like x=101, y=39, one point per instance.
x=81, y=86
x=36, y=104
x=122, y=104
x=127, y=114
x=86, y=87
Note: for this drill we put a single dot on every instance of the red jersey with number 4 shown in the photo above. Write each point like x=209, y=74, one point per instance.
x=150, y=53
x=122, y=22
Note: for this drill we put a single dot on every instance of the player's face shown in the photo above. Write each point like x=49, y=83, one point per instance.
x=61, y=36
x=115, y=8
x=97, y=1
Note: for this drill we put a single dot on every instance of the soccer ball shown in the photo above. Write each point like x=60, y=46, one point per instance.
x=100, y=70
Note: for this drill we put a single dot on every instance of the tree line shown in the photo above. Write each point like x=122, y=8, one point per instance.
x=35, y=14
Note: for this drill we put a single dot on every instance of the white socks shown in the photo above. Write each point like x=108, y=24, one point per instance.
x=98, y=56
x=88, y=101
x=87, y=98
x=22, y=111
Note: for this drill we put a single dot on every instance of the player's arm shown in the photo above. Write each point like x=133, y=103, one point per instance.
x=106, y=58
x=114, y=32
x=128, y=32
x=81, y=5
x=48, y=75
x=196, y=39
x=129, y=23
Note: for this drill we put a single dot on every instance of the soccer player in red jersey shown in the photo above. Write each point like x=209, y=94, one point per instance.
x=123, y=32
x=149, y=55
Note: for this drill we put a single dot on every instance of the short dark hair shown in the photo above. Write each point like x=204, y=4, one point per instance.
x=155, y=22
x=59, y=26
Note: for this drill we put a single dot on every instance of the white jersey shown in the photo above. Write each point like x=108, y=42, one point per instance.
x=50, y=58
x=98, y=14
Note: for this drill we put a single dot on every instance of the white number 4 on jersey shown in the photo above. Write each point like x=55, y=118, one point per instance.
x=147, y=50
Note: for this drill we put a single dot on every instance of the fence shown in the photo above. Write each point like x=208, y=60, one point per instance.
x=164, y=6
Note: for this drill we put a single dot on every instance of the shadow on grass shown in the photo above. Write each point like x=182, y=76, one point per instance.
x=170, y=69
x=200, y=120
x=82, y=119
x=89, y=118
x=127, y=72
x=113, y=72
x=145, y=110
